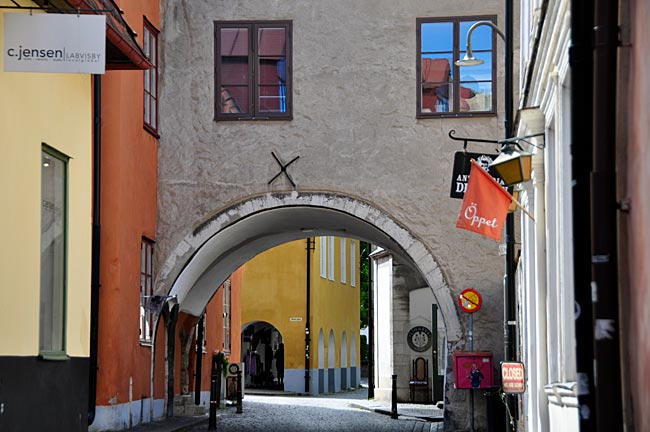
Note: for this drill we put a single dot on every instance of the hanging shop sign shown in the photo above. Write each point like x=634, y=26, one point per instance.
x=462, y=167
x=54, y=43
x=513, y=377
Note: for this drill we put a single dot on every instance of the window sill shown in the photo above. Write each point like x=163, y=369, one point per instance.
x=146, y=344
x=53, y=356
x=455, y=115
x=151, y=131
x=243, y=119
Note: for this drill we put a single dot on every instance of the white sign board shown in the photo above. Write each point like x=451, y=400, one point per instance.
x=295, y=319
x=66, y=43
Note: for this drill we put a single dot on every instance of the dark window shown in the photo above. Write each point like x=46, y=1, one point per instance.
x=146, y=290
x=253, y=70
x=446, y=89
x=54, y=224
x=151, y=79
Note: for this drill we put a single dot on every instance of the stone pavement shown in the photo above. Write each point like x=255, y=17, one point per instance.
x=416, y=417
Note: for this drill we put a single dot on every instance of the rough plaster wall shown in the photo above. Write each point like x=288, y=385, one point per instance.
x=354, y=129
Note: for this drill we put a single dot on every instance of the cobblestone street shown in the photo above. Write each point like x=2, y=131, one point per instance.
x=339, y=412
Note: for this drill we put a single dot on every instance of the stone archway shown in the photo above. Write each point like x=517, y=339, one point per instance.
x=192, y=268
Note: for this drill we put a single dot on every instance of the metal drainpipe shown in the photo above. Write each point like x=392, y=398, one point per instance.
x=308, y=313
x=371, y=331
x=604, y=257
x=96, y=231
x=509, y=299
x=581, y=69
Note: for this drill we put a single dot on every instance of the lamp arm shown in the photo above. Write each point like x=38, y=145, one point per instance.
x=468, y=41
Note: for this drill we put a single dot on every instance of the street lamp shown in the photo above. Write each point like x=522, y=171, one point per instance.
x=509, y=306
x=513, y=164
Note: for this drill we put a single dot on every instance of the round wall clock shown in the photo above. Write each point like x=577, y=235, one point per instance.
x=419, y=338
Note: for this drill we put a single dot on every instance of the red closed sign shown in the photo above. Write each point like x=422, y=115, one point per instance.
x=513, y=377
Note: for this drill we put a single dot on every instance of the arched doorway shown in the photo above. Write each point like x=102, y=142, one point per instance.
x=221, y=243
x=262, y=353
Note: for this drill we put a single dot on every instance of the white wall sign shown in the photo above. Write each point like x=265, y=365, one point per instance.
x=66, y=43
x=295, y=319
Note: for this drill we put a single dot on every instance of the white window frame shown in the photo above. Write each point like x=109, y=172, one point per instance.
x=344, y=258
x=353, y=263
x=227, y=317
x=330, y=258
x=323, y=256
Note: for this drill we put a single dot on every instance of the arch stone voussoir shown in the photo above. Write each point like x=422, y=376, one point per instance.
x=188, y=259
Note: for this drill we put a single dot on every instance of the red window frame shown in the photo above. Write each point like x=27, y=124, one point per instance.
x=253, y=111
x=150, y=35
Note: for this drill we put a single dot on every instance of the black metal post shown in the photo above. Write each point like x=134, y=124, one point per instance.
x=199, y=362
x=239, y=393
x=371, y=331
x=581, y=65
x=308, y=313
x=604, y=241
x=393, y=407
x=214, y=398
x=510, y=349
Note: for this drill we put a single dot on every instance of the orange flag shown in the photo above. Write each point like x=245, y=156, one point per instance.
x=485, y=204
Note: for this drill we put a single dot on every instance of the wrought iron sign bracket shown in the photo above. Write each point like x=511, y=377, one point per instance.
x=501, y=143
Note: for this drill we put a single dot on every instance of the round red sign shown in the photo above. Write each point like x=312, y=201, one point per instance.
x=470, y=300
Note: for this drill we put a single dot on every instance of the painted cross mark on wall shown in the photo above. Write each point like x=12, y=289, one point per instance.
x=283, y=169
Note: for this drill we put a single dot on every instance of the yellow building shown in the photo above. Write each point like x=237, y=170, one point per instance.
x=321, y=335
x=46, y=173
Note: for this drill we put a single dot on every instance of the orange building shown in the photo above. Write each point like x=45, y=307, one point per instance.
x=125, y=393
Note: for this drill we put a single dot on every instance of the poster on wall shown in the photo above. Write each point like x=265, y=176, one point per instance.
x=54, y=43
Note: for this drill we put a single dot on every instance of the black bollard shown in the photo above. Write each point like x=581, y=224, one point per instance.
x=393, y=409
x=239, y=395
x=212, y=422
x=214, y=398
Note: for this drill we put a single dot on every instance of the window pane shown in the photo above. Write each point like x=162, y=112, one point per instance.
x=476, y=96
x=153, y=55
x=481, y=36
x=436, y=89
x=271, y=42
x=146, y=36
x=234, y=99
x=147, y=110
x=234, y=70
x=482, y=72
x=234, y=42
x=152, y=122
x=272, y=99
x=53, y=224
x=437, y=37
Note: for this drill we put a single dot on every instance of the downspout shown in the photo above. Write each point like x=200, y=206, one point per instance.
x=96, y=231
x=308, y=314
x=604, y=258
x=371, y=331
x=581, y=70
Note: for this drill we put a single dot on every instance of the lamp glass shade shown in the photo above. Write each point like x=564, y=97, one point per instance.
x=514, y=166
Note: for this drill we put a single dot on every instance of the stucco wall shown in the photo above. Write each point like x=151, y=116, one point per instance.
x=354, y=128
x=31, y=114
